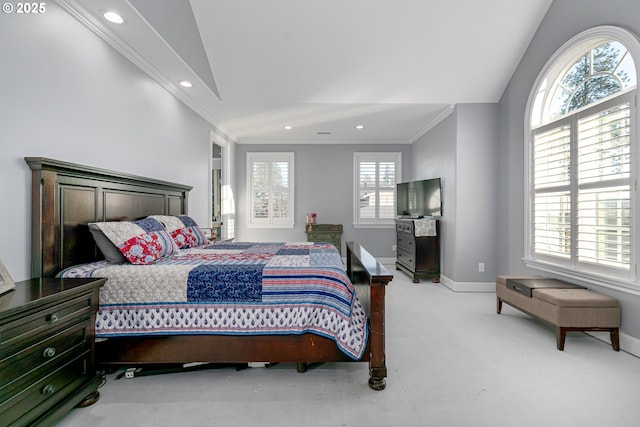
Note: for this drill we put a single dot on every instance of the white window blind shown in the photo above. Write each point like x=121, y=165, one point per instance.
x=376, y=176
x=582, y=189
x=604, y=187
x=552, y=201
x=270, y=195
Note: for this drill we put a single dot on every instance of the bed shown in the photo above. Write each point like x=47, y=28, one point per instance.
x=66, y=197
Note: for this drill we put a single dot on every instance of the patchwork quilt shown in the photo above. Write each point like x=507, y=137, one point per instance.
x=232, y=288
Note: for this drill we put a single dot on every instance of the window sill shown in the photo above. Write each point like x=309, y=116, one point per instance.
x=620, y=285
x=270, y=226
x=374, y=225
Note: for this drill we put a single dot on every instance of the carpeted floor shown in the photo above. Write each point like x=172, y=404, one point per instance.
x=452, y=361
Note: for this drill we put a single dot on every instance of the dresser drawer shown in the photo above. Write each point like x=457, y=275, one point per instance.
x=323, y=237
x=33, y=362
x=405, y=227
x=406, y=258
x=27, y=404
x=406, y=242
x=22, y=332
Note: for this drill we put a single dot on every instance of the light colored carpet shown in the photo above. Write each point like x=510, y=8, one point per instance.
x=452, y=361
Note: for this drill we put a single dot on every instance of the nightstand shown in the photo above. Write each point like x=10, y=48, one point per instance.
x=331, y=233
x=47, y=343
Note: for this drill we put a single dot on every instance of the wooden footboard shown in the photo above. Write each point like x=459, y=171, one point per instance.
x=364, y=269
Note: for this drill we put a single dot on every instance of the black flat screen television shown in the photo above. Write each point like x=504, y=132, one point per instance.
x=416, y=199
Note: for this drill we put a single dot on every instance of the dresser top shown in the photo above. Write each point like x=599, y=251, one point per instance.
x=42, y=290
x=317, y=228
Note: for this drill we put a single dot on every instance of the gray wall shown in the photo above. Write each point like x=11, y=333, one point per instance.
x=565, y=19
x=462, y=151
x=323, y=184
x=67, y=95
x=434, y=156
x=477, y=194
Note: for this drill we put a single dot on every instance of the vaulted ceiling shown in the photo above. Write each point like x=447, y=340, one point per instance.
x=322, y=67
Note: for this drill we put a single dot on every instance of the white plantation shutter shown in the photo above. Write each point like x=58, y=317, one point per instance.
x=376, y=176
x=604, y=187
x=270, y=196
x=367, y=187
x=582, y=189
x=552, y=201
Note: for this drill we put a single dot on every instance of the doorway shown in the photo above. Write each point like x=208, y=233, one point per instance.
x=222, y=198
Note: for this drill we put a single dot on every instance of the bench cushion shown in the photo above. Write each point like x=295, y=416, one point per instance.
x=574, y=298
x=526, y=286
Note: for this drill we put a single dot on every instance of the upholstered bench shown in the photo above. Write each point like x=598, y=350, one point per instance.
x=566, y=306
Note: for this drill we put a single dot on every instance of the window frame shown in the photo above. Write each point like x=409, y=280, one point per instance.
x=377, y=157
x=270, y=222
x=557, y=65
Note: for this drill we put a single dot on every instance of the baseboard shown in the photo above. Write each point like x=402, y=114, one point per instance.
x=628, y=343
x=387, y=262
x=468, y=286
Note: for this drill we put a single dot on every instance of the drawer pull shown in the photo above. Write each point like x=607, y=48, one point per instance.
x=48, y=390
x=49, y=352
x=53, y=318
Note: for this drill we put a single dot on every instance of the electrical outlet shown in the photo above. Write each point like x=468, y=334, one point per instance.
x=394, y=248
x=481, y=267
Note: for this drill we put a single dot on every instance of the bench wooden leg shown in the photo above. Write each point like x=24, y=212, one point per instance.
x=498, y=305
x=615, y=339
x=561, y=334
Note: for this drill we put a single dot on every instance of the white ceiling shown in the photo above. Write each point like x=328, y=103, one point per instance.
x=394, y=66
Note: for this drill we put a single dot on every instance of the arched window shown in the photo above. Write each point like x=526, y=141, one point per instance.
x=582, y=144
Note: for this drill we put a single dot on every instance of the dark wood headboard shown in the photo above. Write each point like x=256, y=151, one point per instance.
x=65, y=197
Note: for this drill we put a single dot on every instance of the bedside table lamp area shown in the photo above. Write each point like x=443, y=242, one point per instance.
x=6, y=283
x=47, y=343
x=331, y=233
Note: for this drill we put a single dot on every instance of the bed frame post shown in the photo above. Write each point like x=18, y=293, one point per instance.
x=363, y=268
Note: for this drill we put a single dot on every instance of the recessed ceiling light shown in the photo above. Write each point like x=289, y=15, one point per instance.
x=288, y=127
x=360, y=127
x=185, y=83
x=113, y=17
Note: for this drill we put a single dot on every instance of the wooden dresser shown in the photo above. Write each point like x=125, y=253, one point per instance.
x=47, y=366
x=331, y=233
x=417, y=256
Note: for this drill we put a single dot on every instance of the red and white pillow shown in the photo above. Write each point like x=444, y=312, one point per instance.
x=183, y=229
x=140, y=242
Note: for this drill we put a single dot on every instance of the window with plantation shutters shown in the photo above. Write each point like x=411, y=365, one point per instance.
x=270, y=189
x=552, y=192
x=375, y=179
x=582, y=204
x=582, y=186
x=604, y=187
